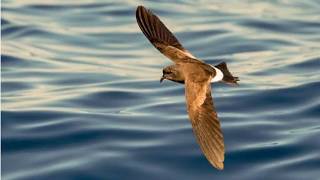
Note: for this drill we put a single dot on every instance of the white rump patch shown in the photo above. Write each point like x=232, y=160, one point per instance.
x=218, y=77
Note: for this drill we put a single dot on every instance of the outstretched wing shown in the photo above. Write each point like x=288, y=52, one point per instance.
x=205, y=122
x=160, y=36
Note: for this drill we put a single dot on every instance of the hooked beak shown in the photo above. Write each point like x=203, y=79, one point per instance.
x=162, y=78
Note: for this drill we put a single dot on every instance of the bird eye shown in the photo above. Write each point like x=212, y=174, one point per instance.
x=166, y=72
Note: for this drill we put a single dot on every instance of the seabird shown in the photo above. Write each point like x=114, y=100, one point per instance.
x=197, y=76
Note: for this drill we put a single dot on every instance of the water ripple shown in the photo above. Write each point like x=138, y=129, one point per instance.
x=81, y=97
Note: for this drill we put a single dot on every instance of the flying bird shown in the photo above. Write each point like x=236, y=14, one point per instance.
x=197, y=77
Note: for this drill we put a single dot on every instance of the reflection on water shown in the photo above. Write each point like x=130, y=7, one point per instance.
x=81, y=97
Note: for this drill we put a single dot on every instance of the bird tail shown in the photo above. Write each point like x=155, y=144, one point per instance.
x=228, y=78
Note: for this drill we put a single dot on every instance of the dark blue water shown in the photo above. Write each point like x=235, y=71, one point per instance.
x=81, y=97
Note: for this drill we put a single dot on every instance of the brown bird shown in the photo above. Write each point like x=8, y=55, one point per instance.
x=197, y=77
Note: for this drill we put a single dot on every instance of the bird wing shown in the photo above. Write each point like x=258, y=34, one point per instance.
x=160, y=36
x=204, y=120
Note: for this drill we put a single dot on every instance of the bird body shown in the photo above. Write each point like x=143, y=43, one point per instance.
x=197, y=76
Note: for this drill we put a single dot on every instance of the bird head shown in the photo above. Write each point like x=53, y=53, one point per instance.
x=172, y=73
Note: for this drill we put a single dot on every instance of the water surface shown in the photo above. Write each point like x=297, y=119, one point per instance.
x=81, y=97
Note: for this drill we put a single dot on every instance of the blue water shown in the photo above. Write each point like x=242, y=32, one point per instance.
x=81, y=97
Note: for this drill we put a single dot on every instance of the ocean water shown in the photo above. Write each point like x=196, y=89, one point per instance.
x=81, y=97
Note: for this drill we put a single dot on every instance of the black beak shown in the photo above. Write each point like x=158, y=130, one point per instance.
x=162, y=78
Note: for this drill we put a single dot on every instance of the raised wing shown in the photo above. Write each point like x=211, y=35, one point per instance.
x=205, y=122
x=160, y=36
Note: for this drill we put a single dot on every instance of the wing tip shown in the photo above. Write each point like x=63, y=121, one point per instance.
x=140, y=7
x=219, y=165
x=216, y=163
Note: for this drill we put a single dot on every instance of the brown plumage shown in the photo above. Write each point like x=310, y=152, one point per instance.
x=197, y=76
